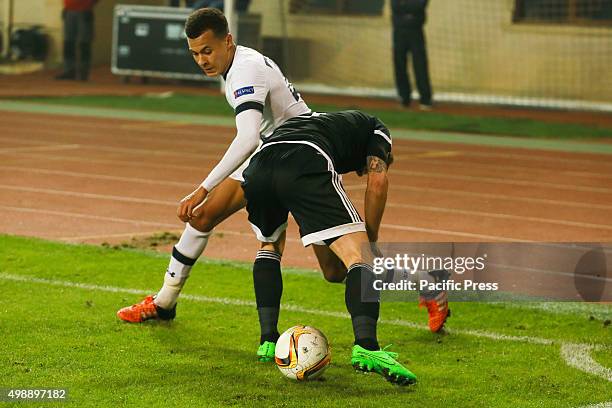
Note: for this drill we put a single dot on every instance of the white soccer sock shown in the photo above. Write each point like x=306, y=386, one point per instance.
x=184, y=254
x=169, y=293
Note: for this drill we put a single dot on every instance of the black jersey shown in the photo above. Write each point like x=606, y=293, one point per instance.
x=348, y=137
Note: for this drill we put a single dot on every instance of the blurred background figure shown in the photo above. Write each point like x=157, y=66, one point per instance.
x=78, y=20
x=218, y=4
x=239, y=5
x=408, y=17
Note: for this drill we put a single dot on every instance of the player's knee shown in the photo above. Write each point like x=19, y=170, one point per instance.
x=202, y=223
x=335, y=278
x=334, y=273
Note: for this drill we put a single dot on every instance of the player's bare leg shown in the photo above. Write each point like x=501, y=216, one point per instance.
x=268, y=284
x=332, y=267
x=226, y=199
x=222, y=202
x=362, y=304
x=352, y=248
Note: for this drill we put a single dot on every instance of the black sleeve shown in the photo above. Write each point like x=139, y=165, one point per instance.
x=380, y=141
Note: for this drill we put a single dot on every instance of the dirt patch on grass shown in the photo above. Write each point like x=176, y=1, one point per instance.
x=156, y=242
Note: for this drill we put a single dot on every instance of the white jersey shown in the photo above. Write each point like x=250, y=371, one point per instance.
x=256, y=86
x=254, y=81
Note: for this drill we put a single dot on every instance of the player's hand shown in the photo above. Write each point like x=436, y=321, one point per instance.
x=189, y=203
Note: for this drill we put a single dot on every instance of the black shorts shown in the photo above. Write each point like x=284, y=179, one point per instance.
x=297, y=177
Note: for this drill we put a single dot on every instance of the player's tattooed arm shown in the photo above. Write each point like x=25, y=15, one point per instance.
x=375, y=196
x=376, y=165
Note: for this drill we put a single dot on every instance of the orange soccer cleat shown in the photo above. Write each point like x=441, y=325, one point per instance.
x=438, y=310
x=145, y=310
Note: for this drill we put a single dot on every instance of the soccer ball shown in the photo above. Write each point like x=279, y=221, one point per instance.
x=302, y=353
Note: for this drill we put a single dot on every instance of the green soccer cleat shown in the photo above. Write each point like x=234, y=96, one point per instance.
x=382, y=362
x=265, y=352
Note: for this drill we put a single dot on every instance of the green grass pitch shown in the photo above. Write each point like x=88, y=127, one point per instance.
x=56, y=333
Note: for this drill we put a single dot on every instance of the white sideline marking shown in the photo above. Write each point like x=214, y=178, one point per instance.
x=565, y=308
x=574, y=354
x=578, y=356
x=600, y=405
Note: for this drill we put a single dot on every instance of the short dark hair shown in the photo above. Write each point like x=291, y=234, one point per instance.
x=206, y=19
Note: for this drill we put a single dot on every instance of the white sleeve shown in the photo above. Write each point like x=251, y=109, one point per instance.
x=248, y=123
x=248, y=87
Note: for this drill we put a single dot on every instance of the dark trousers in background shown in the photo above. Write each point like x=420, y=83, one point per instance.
x=411, y=40
x=78, y=36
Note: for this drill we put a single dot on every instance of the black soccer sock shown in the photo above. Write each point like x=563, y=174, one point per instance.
x=364, y=314
x=268, y=283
